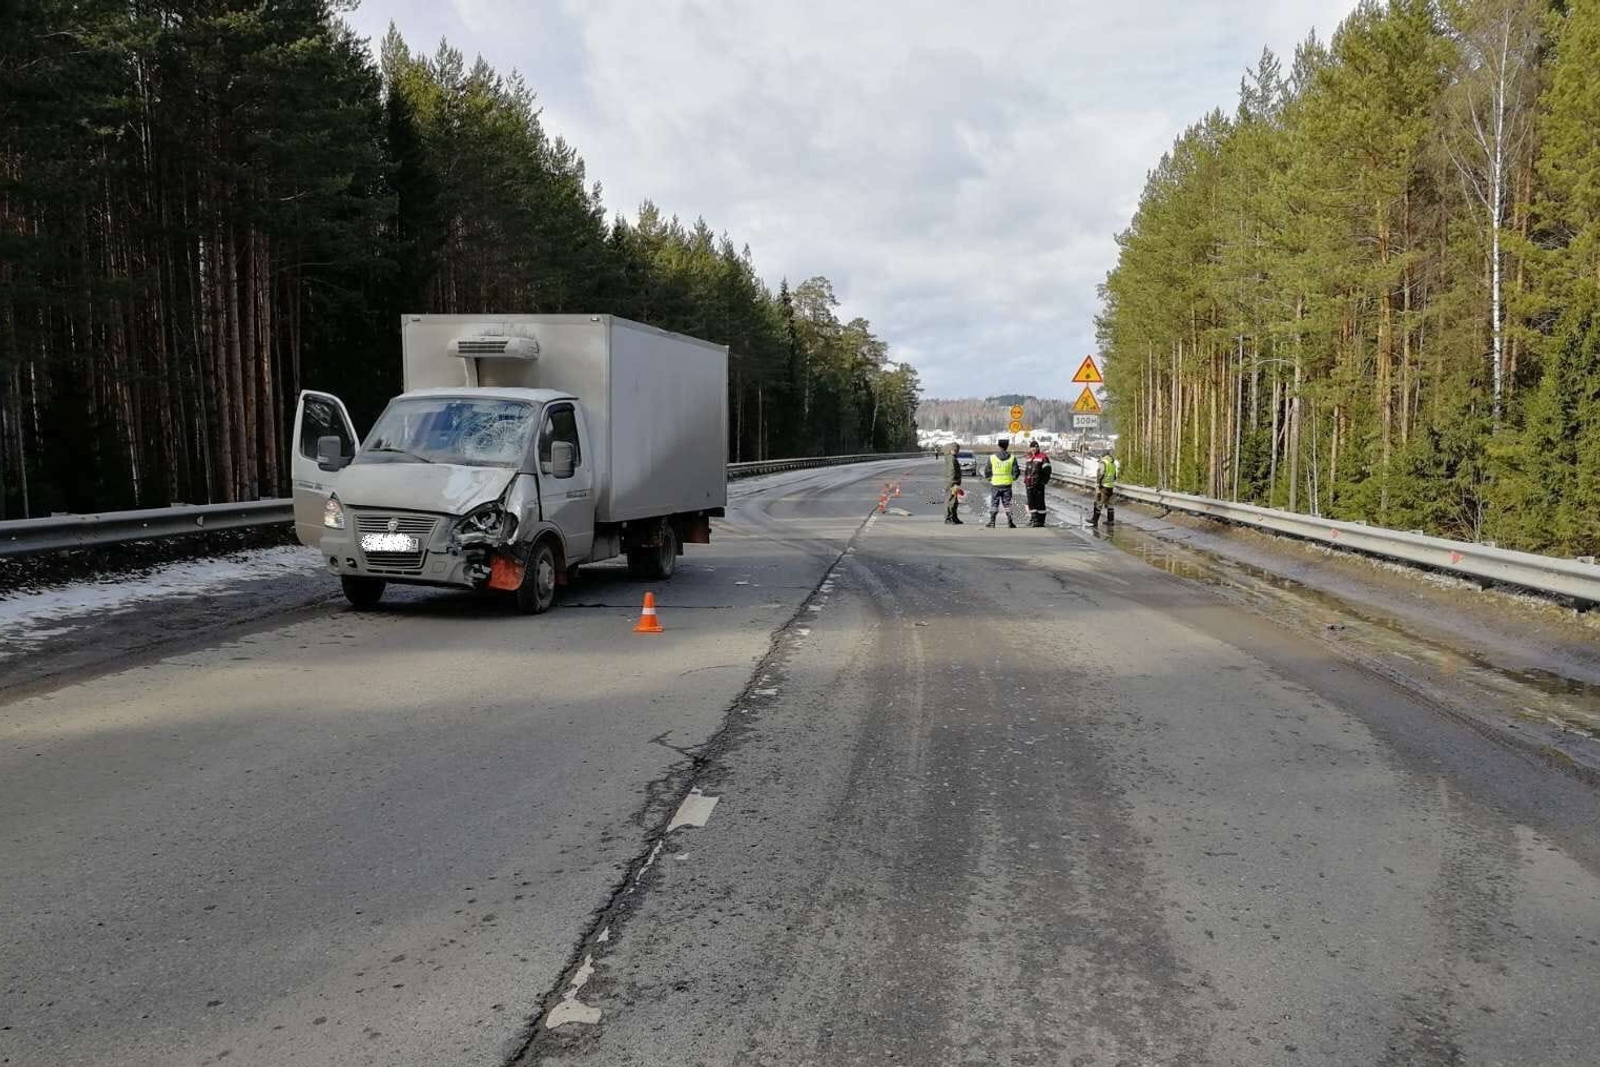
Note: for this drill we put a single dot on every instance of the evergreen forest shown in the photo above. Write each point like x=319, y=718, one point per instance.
x=1372, y=290
x=209, y=205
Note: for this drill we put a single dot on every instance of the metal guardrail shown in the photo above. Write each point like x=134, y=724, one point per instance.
x=773, y=466
x=23, y=536
x=1550, y=575
x=20, y=537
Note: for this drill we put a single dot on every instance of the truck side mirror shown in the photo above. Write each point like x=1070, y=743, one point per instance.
x=563, y=459
x=330, y=454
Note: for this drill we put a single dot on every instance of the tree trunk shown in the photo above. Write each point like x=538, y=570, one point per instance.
x=1382, y=385
x=238, y=441
x=1213, y=468
x=1294, y=415
x=1272, y=458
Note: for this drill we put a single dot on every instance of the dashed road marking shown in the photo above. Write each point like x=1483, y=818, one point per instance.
x=694, y=811
x=571, y=1009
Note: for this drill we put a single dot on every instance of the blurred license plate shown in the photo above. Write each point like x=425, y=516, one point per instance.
x=389, y=542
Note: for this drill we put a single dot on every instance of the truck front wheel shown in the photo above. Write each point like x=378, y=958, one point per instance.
x=538, y=589
x=658, y=561
x=362, y=593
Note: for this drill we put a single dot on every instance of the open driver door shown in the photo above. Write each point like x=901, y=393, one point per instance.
x=318, y=417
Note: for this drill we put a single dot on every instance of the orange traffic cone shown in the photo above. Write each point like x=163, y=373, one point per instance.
x=648, y=623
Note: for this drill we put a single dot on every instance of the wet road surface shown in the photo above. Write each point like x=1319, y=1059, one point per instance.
x=980, y=797
x=1019, y=798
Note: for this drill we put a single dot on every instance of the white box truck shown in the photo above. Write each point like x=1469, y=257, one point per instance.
x=522, y=447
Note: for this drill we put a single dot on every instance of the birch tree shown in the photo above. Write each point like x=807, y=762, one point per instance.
x=1492, y=105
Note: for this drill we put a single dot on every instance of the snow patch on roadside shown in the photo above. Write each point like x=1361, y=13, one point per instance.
x=29, y=618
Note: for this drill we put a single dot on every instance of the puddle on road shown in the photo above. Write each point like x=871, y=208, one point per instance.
x=1527, y=693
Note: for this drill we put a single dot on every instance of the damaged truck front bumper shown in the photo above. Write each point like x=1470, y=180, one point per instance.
x=417, y=549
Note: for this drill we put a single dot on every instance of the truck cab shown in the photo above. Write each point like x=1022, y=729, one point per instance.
x=498, y=487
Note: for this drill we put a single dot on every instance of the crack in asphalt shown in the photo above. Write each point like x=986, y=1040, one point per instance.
x=608, y=920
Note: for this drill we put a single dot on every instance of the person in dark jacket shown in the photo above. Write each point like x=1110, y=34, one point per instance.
x=952, y=482
x=1035, y=476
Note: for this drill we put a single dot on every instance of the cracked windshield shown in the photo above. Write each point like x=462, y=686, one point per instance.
x=706, y=533
x=472, y=433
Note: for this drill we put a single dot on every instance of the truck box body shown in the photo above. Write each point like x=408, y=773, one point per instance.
x=656, y=402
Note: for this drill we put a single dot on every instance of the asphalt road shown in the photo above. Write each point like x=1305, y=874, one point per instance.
x=981, y=797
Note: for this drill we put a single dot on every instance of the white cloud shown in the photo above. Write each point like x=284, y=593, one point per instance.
x=957, y=169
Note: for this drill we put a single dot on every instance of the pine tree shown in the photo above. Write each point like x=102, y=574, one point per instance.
x=206, y=207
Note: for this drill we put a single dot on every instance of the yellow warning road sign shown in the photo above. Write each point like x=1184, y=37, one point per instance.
x=1016, y=411
x=1088, y=372
x=1015, y=426
x=1087, y=404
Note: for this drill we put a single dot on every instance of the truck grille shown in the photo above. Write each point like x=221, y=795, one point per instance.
x=398, y=563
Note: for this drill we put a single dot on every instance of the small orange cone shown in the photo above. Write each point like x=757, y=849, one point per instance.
x=648, y=623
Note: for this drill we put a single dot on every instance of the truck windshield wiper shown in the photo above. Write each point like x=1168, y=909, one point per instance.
x=400, y=452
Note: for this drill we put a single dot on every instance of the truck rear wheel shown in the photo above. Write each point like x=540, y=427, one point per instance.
x=537, y=592
x=362, y=593
x=656, y=562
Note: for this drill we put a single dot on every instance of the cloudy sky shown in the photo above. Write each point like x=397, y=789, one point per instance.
x=958, y=168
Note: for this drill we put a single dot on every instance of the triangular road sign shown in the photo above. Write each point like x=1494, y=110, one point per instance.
x=1087, y=404
x=1088, y=372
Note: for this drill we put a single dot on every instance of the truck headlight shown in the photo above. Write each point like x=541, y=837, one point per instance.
x=488, y=520
x=333, y=514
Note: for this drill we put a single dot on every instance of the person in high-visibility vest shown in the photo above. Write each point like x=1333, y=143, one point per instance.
x=1002, y=475
x=1105, y=485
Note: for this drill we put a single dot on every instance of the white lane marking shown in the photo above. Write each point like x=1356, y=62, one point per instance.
x=694, y=811
x=571, y=1009
x=605, y=935
x=766, y=692
x=640, y=876
x=804, y=631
